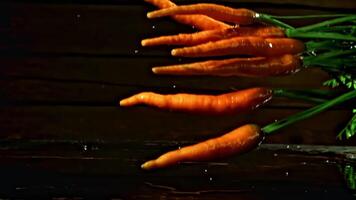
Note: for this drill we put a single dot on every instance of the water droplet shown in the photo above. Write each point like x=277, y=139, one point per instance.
x=179, y=147
x=210, y=178
x=193, y=27
x=85, y=147
x=153, y=27
x=350, y=156
x=305, y=191
x=313, y=53
x=205, y=170
x=275, y=154
x=303, y=163
x=78, y=15
x=287, y=146
x=270, y=45
x=287, y=173
x=174, y=86
x=298, y=146
x=275, y=120
x=136, y=51
x=327, y=161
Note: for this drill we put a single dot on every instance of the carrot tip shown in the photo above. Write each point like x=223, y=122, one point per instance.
x=149, y=15
x=124, y=102
x=162, y=70
x=174, y=52
x=155, y=70
x=148, y=165
x=143, y=43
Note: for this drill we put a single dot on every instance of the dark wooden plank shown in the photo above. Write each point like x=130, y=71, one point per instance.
x=27, y=92
x=93, y=29
x=76, y=28
x=331, y=4
x=137, y=72
x=116, y=124
x=113, y=171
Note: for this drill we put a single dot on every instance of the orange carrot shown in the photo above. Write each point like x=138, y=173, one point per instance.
x=255, y=46
x=205, y=104
x=240, y=140
x=161, y=3
x=218, y=12
x=201, y=22
x=201, y=37
x=250, y=67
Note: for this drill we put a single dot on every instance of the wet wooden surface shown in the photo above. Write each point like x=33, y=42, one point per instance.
x=65, y=65
x=63, y=169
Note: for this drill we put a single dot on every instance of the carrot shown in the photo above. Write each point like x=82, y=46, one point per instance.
x=201, y=22
x=240, y=140
x=205, y=104
x=161, y=3
x=255, y=46
x=218, y=12
x=201, y=37
x=250, y=67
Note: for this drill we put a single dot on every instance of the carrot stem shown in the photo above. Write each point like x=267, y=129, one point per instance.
x=306, y=96
x=327, y=23
x=272, y=20
x=308, y=113
x=312, y=46
x=313, y=31
x=308, y=16
x=295, y=33
x=325, y=57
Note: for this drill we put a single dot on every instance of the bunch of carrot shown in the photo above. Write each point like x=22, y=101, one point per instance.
x=272, y=53
x=269, y=53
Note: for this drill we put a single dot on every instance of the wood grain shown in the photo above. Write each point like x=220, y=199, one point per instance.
x=90, y=123
x=95, y=29
x=136, y=71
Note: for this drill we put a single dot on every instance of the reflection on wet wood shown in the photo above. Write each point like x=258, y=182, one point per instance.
x=100, y=169
x=90, y=123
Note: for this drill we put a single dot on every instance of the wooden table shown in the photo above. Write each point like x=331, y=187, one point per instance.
x=66, y=64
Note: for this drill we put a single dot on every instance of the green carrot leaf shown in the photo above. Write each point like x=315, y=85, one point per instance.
x=333, y=83
x=349, y=130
